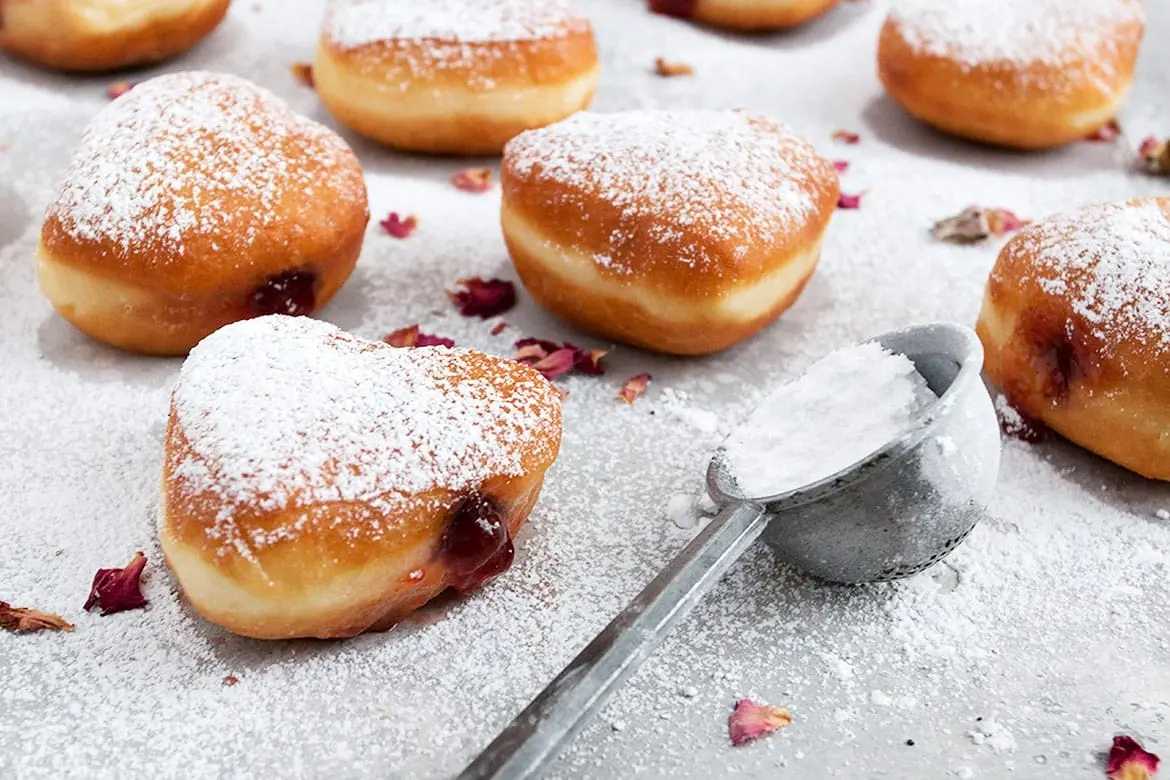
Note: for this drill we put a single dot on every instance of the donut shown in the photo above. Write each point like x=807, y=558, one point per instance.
x=453, y=76
x=1026, y=75
x=319, y=485
x=197, y=199
x=745, y=15
x=680, y=232
x=1075, y=324
x=99, y=35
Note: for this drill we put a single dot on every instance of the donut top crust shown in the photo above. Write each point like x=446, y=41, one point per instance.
x=708, y=187
x=351, y=24
x=281, y=412
x=196, y=164
x=1056, y=33
x=1111, y=261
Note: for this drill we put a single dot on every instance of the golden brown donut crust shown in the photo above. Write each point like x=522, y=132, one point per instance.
x=51, y=34
x=1008, y=103
x=760, y=15
x=1097, y=378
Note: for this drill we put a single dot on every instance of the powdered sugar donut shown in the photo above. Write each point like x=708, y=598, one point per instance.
x=197, y=199
x=99, y=35
x=683, y=232
x=319, y=485
x=1027, y=75
x=454, y=76
x=747, y=15
x=1076, y=328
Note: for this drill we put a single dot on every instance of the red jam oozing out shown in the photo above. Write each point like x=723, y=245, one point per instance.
x=683, y=9
x=292, y=293
x=476, y=545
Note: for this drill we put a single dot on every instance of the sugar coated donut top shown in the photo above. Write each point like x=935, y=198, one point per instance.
x=1054, y=32
x=1112, y=261
x=354, y=23
x=728, y=176
x=195, y=154
x=281, y=410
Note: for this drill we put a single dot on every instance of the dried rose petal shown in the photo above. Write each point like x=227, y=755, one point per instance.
x=588, y=361
x=397, y=226
x=975, y=223
x=303, y=73
x=473, y=179
x=117, y=590
x=29, y=620
x=545, y=345
x=231, y=681
x=841, y=165
x=118, y=89
x=665, y=68
x=849, y=201
x=751, y=721
x=548, y=357
x=846, y=137
x=556, y=364
x=634, y=387
x=1108, y=132
x=410, y=336
x=1128, y=761
x=1002, y=222
x=482, y=298
x=1155, y=155
x=499, y=328
x=530, y=353
x=680, y=9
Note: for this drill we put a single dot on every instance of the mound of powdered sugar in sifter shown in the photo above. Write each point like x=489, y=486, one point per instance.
x=846, y=406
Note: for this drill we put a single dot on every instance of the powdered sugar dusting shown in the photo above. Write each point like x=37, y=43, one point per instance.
x=1113, y=261
x=677, y=175
x=354, y=23
x=160, y=164
x=1058, y=33
x=280, y=410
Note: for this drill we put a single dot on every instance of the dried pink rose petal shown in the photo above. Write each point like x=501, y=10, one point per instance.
x=849, y=201
x=588, y=361
x=666, y=68
x=473, y=179
x=117, y=590
x=976, y=223
x=544, y=345
x=1155, y=155
x=410, y=336
x=550, y=357
x=303, y=73
x=1107, y=133
x=499, y=328
x=231, y=681
x=118, y=89
x=483, y=298
x=397, y=226
x=841, y=165
x=1129, y=761
x=846, y=137
x=556, y=364
x=751, y=721
x=1002, y=222
x=634, y=387
x=23, y=620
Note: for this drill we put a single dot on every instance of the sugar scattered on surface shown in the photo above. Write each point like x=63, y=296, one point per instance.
x=845, y=407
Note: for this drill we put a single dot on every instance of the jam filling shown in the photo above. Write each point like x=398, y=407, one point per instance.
x=476, y=546
x=292, y=293
x=683, y=9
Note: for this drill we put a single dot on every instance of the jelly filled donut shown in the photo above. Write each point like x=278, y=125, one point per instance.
x=1076, y=328
x=195, y=200
x=319, y=485
x=100, y=35
x=746, y=15
x=453, y=76
x=680, y=232
x=1027, y=75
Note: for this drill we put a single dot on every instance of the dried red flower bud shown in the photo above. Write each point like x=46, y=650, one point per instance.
x=231, y=681
x=1155, y=155
x=24, y=620
x=473, y=179
x=118, y=89
x=665, y=68
x=975, y=224
x=1129, y=761
x=499, y=328
x=1107, y=133
x=751, y=721
x=397, y=226
x=841, y=166
x=849, y=201
x=481, y=298
x=410, y=336
x=557, y=363
x=846, y=137
x=303, y=73
x=634, y=387
x=680, y=9
x=117, y=590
